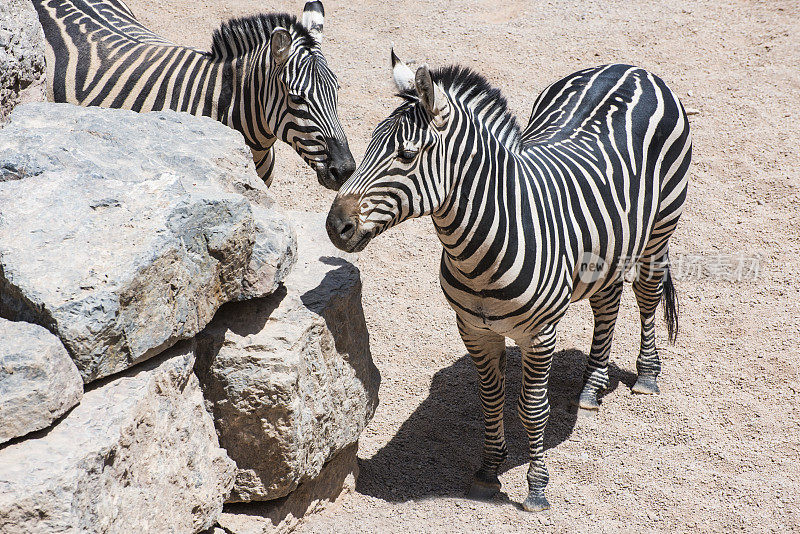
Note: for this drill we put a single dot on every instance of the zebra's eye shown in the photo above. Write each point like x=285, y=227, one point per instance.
x=297, y=99
x=407, y=155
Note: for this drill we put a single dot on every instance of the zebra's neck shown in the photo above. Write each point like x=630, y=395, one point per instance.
x=98, y=54
x=245, y=97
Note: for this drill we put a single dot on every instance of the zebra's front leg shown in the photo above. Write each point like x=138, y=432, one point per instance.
x=489, y=356
x=605, y=307
x=534, y=410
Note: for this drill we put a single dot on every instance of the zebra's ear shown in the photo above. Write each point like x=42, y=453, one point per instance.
x=431, y=96
x=280, y=43
x=403, y=76
x=314, y=19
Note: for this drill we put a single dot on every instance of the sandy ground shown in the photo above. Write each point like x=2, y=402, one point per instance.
x=719, y=449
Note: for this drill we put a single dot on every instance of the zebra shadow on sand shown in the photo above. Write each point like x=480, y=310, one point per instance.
x=437, y=449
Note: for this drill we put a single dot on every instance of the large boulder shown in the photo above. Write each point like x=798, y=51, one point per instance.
x=138, y=454
x=122, y=244
x=281, y=516
x=22, y=63
x=38, y=381
x=289, y=378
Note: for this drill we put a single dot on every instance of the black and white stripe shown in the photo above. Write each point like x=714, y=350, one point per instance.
x=265, y=76
x=531, y=220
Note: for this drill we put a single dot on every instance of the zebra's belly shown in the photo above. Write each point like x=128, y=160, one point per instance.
x=517, y=317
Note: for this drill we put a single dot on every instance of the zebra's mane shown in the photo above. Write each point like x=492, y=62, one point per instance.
x=465, y=84
x=240, y=35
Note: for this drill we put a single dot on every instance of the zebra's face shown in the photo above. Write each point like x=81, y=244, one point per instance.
x=400, y=176
x=310, y=122
x=306, y=113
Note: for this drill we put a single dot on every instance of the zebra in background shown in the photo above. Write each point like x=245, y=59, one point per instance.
x=531, y=220
x=265, y=76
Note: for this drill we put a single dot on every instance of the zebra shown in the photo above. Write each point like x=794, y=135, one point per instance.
x=265, y=76
x=531, y=220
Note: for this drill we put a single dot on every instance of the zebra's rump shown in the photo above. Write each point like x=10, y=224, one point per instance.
x=618, y=141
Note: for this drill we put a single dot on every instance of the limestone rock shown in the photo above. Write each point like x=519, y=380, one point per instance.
x=274, y=253
x=22, y=63
x=281, y=516
x=290, y=378
x=38, y=381
x=122, y=244
x=138, y=454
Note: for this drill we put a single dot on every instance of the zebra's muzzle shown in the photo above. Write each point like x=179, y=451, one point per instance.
x=343, y=226
x=338, y=166
x=324, y=175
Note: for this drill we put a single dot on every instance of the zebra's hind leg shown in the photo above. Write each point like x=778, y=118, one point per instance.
x=534, y=410
x=648, y=287
x=488, y=353
x=605, y=307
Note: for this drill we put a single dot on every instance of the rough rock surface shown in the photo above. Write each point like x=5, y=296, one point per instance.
x=274, y=253
x=22, y=63
x=280, y=516
x=289, y=378
x=122, y=244
x=138, y=454
x=38, y=381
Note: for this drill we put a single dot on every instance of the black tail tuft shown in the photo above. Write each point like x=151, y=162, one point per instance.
x=670, y=301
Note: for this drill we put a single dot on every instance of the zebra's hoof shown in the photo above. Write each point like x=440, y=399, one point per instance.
x=646, y=385
x=483, y=489
x=588, y=401
x=536, y=502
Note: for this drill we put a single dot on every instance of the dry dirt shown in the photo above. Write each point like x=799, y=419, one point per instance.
x=719, y=449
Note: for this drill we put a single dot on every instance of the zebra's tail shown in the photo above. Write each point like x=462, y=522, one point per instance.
x=670, y=301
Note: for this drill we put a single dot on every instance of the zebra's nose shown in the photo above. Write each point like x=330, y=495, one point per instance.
x=342, y=165
x=341, y=224
x=343, y=171
x=345, y=229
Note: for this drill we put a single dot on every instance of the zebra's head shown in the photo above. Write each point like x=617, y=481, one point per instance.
x=400, y=176
x=309, y=90
x=289, y=91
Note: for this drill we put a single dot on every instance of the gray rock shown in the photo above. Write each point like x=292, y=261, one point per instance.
x=22, y=63
x=274, y=253
x=38, y=381
x=138, y=454
x=281, y=516
x=290, y=378
x=122, y=244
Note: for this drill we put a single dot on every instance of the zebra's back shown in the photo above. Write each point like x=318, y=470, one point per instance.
x=100, y=55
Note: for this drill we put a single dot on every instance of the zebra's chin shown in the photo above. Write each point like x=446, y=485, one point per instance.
x=357, y=245
x=324, y=176
x=355, y=242
x=338, y=165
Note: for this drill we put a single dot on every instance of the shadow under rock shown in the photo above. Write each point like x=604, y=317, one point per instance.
x=250, y=315
x=437, y=450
